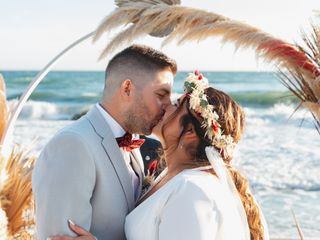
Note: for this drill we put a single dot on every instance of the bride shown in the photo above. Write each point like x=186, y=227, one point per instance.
x=200, y=195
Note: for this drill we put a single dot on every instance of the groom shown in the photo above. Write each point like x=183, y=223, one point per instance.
x=82, y=174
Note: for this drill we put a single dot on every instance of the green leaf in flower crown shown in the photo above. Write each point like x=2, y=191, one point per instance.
x=189, y=86
x=204, y=103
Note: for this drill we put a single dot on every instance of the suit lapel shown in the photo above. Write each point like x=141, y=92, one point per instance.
x=137, y=164
x=112, y=150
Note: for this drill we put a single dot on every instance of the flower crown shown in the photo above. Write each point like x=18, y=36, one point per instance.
x=194, y=87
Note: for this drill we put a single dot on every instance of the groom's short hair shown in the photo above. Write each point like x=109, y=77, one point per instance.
x=135, y=62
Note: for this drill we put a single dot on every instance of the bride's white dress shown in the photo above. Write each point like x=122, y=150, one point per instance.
x=193, y=205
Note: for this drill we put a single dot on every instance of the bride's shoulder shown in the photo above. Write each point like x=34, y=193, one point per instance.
x=196, y=176
x=195, y=183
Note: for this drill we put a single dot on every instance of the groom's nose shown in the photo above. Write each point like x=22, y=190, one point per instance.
x=166, y=102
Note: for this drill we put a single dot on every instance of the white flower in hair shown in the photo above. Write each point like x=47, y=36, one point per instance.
x=195, y=101
x=195, y=86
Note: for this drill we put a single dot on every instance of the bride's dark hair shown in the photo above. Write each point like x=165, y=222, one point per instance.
x=231, y=120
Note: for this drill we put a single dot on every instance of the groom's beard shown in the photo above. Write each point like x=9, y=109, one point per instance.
x=138, y=119
x=157, y=119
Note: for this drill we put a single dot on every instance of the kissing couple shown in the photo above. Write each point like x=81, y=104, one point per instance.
x=87, y=182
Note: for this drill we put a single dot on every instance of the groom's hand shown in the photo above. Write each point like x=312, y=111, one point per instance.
x=82, y=234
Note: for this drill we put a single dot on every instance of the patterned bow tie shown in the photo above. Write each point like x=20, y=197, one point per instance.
x=127, y=143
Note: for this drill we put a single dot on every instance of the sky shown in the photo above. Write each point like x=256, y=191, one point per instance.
x=33, y=32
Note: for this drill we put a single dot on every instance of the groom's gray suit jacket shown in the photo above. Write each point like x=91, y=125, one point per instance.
x=81, y=175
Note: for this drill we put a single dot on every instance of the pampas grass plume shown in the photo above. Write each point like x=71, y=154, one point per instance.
x=3, y=107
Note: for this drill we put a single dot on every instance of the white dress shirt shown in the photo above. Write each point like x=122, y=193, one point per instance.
x=118, y=131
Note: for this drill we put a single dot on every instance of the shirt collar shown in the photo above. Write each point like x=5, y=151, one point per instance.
x=116, y=128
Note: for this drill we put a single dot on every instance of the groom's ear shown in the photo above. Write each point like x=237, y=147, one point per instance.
x=126, y=88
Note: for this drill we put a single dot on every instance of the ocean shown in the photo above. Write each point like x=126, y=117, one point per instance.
x=279, y=153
